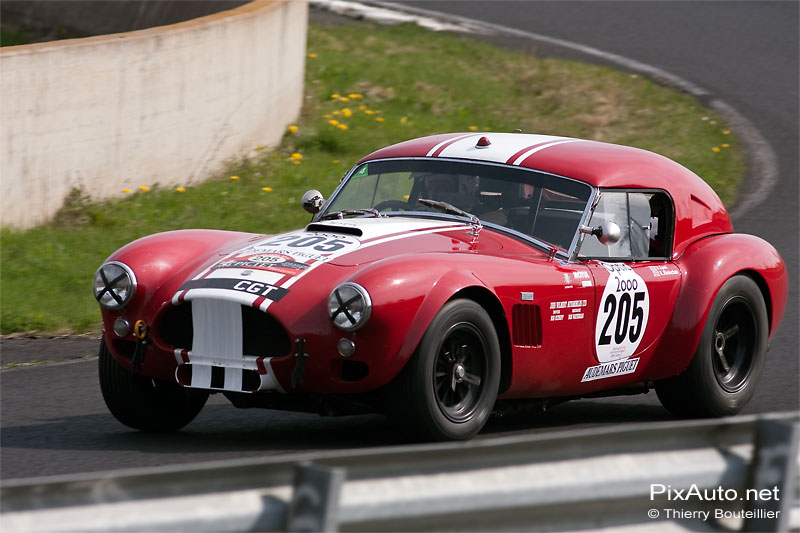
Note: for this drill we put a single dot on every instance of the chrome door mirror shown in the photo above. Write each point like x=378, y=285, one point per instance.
x=607, y=232
x=312, y=201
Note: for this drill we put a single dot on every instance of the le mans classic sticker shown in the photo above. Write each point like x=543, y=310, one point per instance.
x=621, y=322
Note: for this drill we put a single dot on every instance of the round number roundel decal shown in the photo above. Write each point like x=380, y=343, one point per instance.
x=622, y=315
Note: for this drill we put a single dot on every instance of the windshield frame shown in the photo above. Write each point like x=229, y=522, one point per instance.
x=568, y=254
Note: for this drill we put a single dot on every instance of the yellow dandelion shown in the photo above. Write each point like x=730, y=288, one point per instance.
x=259, y=147
x=378, y=119
x=473, y=128
x=369, y=112
x=312, y=55
x=126, y=191
x=726, y=132
x=335, y=96
x=335, y=161
x=726, y=145
x=404, y=121
x=362, y=107
x=296, y=157
x=337, y=113
x=355, y=96
x=144, y=188
x=342, y=126
x=234, y=177
x=326, y=115
x=716, y=149
x=180, y=189
x=333, y=122
x=346, y=112
x=266, y=189
x=293, y=129
x=344, y=99
x=296, y=161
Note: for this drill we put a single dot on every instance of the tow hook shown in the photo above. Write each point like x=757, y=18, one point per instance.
x=301, y=355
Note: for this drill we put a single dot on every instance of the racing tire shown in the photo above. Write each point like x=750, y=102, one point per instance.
x=144, y=403
x=729, y=359
x=448, y=388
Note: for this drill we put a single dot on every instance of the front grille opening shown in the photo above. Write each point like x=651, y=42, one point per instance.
x=262, y=335
x=175, y=328
x=353, y=370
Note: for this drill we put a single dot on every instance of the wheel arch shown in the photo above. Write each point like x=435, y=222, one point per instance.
x=491, y=304
x=765, y=292
x=706, y=266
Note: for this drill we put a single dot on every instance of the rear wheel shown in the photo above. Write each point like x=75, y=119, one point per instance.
x=144, y=403
x=729, y=359
x=448, y=388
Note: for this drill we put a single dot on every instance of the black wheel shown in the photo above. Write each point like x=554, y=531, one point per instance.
x=729, y=359
x=392, y=205
x=144, y=403
x=448, y=388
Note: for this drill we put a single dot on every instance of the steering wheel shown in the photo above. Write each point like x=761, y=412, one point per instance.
x=392, y=205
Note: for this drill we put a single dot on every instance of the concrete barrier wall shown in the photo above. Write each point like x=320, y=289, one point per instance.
x=167, y=105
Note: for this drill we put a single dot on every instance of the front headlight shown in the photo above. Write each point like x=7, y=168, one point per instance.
x=114, y=285
x=349, y=306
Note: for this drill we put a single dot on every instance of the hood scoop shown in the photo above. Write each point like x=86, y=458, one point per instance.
x=331, y=228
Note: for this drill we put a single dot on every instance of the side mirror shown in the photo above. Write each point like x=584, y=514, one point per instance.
x=312, y=201
x=607, y=232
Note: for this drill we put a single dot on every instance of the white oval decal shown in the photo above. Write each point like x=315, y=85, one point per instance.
x=622, y=315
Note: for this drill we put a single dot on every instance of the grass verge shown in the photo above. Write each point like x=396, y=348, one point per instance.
x=366, y=86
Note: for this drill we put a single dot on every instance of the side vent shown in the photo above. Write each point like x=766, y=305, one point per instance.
x=526, y=323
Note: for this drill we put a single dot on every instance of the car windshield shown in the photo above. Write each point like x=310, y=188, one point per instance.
x=546, y=207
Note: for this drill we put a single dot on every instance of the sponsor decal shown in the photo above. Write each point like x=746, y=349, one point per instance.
x=267, y=290
x=622, y=315
x=283, y=264
x=290, y=254
x=664, y=270
x=609, y=370
x=572, y=309
x=361, y=172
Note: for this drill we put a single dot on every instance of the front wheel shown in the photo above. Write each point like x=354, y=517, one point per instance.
x=729, y=359
x=145, y=403
x=448, y=388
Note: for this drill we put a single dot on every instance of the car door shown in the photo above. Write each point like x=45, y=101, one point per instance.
x=635, y=283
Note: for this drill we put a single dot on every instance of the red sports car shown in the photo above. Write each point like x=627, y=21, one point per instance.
x=446, y=277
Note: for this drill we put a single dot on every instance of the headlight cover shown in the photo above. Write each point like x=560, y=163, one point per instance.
x=349, y=306
x=114, y=285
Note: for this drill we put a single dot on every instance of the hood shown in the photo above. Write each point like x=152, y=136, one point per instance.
x=263, y=271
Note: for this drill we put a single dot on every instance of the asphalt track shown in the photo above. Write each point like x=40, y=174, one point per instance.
x=741, y=54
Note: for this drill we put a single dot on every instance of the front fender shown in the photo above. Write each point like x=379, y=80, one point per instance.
x=173, y=255
x=707, y=264
x=407, y=292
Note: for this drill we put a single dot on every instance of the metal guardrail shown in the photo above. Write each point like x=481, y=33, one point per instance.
x=742, y=471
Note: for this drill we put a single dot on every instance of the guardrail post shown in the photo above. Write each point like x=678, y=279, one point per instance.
x=772, y=476
x=315, y=499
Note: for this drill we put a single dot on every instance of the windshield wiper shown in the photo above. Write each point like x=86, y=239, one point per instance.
x=444, y=207
x=345, y=212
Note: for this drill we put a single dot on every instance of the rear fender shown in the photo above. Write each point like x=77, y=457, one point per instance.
x=707, y=264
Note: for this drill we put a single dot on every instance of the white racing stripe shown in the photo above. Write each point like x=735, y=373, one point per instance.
x=503, y=146
x=535, y=149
